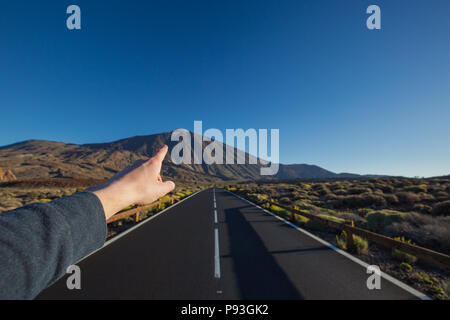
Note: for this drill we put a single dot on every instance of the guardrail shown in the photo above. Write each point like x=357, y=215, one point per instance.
x=138, y=210
x=350, y=229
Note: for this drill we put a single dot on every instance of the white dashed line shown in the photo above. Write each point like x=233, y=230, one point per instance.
x=216, y=254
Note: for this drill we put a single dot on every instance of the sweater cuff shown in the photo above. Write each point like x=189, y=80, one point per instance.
x=87, y=222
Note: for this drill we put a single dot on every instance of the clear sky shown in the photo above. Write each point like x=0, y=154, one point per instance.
x=344, y=97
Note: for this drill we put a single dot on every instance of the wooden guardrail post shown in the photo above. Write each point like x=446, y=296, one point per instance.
x=138, y=213
x=349, y=237
x=292, y=217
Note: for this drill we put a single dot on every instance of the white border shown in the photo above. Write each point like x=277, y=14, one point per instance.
x=391, y=279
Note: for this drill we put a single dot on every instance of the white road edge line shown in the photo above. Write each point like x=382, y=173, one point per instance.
x=107, y=243
x=398, y=283
x=216, y=254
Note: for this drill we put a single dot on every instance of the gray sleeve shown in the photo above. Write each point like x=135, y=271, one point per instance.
x=39, y=241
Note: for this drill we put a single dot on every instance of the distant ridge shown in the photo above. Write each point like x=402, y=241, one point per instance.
x=41, y=159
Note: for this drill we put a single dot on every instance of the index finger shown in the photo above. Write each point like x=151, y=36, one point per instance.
x=161, y=154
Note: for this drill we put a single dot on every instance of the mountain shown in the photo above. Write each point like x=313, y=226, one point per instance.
x=40, y=159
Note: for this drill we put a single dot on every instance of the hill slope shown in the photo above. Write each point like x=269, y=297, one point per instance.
x=39, y=159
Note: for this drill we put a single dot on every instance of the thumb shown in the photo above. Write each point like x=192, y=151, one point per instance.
x=165, y=187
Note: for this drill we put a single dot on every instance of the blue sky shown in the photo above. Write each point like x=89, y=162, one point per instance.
x=344, y=97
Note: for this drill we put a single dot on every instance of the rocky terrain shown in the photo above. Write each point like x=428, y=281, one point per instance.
x=39, y=159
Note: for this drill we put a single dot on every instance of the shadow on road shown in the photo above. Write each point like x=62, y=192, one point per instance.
x=257, y=272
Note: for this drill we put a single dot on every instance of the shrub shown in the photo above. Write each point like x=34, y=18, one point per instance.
x=417, y=188
x=277, y=210
x=323, y=190
x=349, y=216
x=305, y=186
x=392, y=199
x=441, y=209
x=426, y=230
x=406, y=267
x=403, y=256
x=358, y=190
x=340, y=192
x=427, y=279
x=322, y=227
x=378, y=221
x=257, y=198
x=316, y=225
x=446, y=287
x=342, y=240
x=407, y=198
x=359, y=201
x=330, y=198
x=285, y=200
x=386, y=188
x=423, y=208
x=301, y=220
x=441, y=196
x=361, y=244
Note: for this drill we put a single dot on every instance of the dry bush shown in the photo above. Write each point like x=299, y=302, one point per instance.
x=285, y=200
x=329, y=198
x=441, y=209
x=417, y=188
x=428, y=231
x=378, y=221
x=361, y=244
x=426, y=197
x=407, y=198
x=359, y=190
x=422, y=208
x=391, y=199
x=322, y=190
x=385, y=188
x=340, y=192
x=441, y=196
x=360, y=201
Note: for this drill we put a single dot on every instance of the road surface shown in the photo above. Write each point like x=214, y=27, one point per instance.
x=214, y=245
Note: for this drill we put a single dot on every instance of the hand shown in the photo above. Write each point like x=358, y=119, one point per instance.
x=139, y=184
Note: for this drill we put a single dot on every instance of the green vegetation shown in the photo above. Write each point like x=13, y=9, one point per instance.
x=403, y=256
x=280, y=211
x=361, y=244
x=406, y=267
x=301, y=220
x=378, y=221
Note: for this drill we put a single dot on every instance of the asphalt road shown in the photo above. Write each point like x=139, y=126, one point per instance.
x=239, y=252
